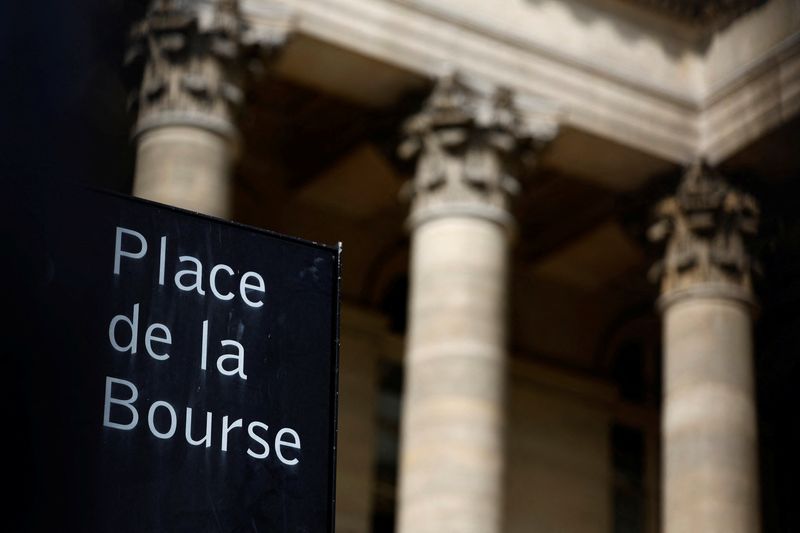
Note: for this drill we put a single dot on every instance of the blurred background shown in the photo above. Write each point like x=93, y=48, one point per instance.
x=295, y=127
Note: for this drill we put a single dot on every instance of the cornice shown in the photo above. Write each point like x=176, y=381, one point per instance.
x=601, y=97
x=702, y=11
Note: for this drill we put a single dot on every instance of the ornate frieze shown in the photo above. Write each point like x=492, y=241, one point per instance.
x=703, y=11
x=189, y=59
x=471, y=150
x=706, y=228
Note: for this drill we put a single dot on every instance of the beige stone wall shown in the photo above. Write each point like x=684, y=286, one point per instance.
x=361, y=340
x=559, y=469
x=766, y=30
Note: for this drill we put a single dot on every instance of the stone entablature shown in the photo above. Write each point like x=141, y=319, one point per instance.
x=643, y=80
x=703, y=11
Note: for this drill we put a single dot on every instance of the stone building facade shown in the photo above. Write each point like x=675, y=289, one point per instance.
x=552, y=214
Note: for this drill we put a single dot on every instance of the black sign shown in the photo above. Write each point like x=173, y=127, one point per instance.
x=186, y=372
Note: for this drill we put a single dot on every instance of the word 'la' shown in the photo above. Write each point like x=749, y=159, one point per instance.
x=160, y=333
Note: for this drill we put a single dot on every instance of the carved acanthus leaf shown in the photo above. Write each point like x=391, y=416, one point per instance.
x=706, y=229
x=470, y=148
x=703, y=11
x=188, y=60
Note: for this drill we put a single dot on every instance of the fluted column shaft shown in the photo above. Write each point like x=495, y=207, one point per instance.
x=453, y=411
x=451, y=466
x=709, y=425
x=710, y=471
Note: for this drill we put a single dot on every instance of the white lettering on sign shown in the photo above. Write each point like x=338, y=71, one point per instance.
x=129, y=419
x=294, y=443
x=212, y=280
x=173, y=420
x=258, y=287
x=206, y=438
x=149, y=337
x=119, y=253
x=133, y=327
x=127, y=403
x=191, y=274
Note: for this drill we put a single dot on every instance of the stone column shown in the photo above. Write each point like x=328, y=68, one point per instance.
x=709, y=423
x=189, y=60
x=469, y=149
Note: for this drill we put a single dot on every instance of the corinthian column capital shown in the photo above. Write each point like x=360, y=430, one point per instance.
x=471, y=150
x=188, y=60
x=706, y=229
